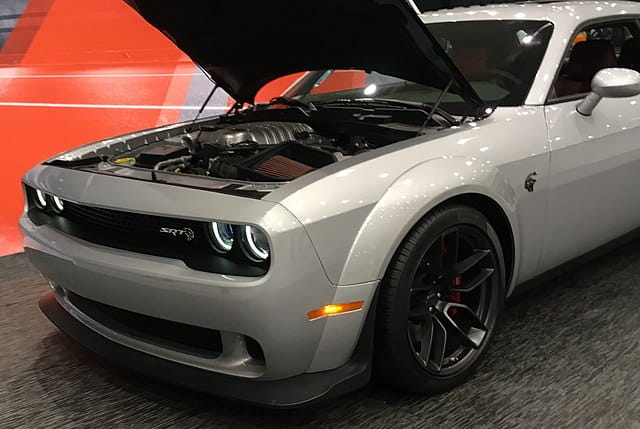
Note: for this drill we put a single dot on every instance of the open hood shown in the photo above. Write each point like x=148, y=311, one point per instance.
x=244, y=44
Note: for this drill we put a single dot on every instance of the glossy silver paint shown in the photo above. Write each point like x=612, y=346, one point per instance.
x=334, y=231
x=272, y=309
x=357, y=211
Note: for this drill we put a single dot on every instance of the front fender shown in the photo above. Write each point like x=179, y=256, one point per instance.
x=410, y=197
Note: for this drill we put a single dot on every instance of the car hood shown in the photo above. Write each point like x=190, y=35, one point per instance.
x=244, y=44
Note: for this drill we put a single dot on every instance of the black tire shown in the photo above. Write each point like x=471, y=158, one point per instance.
x=402, y=330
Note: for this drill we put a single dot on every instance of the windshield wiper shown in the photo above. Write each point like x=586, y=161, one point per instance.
x=388, y=102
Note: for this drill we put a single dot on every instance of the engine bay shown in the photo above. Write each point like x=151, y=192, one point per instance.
x=263, y=151
x=265, y=144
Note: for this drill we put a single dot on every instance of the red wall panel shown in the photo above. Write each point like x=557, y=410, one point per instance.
x=72, y=72
x=52, y=43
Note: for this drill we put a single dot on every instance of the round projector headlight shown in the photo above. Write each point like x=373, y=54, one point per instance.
x=222, y=234
x=41, y=199
x=58, y=204
x=256, y=243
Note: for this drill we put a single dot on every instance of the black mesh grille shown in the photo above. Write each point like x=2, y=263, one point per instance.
x=142, y=227
x=182, y=239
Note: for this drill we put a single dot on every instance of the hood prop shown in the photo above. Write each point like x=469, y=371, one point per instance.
x=206, y=102
x=444, y=92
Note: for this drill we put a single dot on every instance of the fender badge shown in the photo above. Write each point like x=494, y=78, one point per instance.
x=530, y=182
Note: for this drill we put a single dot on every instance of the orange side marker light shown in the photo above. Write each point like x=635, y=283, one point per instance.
x=333, y=309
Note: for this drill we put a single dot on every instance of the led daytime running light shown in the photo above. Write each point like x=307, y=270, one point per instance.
x=41, y=199
x=224, y=244
x=58, y=204
x=254, y=249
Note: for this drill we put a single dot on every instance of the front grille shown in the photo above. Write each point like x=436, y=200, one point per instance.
x=182, y=239
x=176, y=336
x=144, y=228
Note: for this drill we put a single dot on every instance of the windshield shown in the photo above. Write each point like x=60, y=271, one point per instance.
x=498, y=58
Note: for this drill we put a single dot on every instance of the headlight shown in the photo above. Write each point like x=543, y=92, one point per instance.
x=255, y=243
x=223, y=236
x=41, y=199
x=58, y=204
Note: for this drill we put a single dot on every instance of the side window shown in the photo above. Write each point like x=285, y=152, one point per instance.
x=594, y=48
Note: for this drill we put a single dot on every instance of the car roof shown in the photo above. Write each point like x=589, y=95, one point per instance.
x=566, y=14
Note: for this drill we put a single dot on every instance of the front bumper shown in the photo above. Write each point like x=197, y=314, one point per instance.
x=271, y=309
x=285, y=393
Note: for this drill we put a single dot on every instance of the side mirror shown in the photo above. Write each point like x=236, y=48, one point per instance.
x=610, y=83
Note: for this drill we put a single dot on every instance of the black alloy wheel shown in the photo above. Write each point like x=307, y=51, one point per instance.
x=448, y=299
x=440, y=301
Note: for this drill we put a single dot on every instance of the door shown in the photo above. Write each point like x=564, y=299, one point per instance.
x=594, y=183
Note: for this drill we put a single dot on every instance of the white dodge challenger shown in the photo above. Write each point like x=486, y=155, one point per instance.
x=373, y=218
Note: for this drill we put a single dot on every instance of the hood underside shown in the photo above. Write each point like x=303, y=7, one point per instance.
x=244, y=44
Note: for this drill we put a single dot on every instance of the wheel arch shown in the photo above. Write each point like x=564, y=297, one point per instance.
x=414, y=196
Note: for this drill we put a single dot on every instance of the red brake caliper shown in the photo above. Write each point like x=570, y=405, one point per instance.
x=455, y=296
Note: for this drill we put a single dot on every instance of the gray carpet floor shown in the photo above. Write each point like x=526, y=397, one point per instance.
x=565, y=355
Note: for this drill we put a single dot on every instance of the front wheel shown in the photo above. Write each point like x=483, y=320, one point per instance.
x=439, y=301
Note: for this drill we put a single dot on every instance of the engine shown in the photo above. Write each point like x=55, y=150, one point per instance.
x=256, y=151
x=263, y=133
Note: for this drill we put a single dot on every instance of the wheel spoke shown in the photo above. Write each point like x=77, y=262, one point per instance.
x=475, y=281
x=434, y=256
x=466, y=325
x=451, y=244
x=438, y=343
x=415, y=332
x=426, y=341
x=470, y=262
